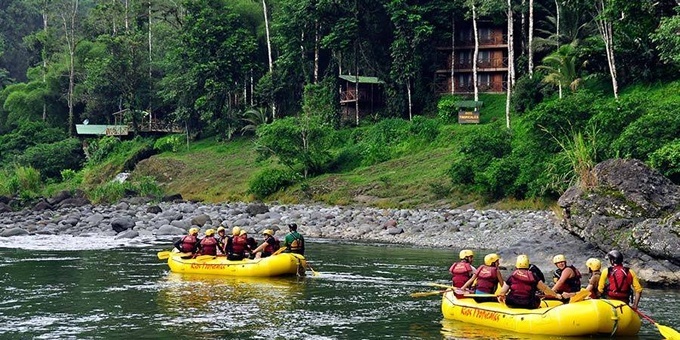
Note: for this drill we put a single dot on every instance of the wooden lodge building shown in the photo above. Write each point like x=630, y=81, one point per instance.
x=454, y=71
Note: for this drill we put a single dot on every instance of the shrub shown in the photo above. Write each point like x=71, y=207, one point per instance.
x=171, y=143
x=527, y=93
x=446, y=108
x=649, y=133
x=100, y=149
x=498, y=178
x=52, y=158
x=477, y=151
x=427, y=129
x=269, y=181
x=377, y=141
x=23, y=180
x=667, y=160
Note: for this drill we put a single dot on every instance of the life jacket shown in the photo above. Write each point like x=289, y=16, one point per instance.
x=209, y=246
x=487, y=278
x=238, y=244
x=523, y=285
x=619, y=282
x=462, y=272
x=573, y=284
x=188, y=243
x=298, y=244
x=272, y=247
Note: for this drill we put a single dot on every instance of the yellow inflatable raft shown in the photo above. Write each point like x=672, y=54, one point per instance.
x=276, y=265
x=587, y=317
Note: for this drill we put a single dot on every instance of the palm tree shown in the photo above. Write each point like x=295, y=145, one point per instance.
x=560, y=67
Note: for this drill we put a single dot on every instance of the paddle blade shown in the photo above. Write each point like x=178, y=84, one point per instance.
x=163, y=255
x=580, y=296
x=439, y=285
x=431, y=293
x=667, y=332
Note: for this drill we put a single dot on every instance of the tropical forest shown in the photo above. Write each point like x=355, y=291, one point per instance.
x=335, y=101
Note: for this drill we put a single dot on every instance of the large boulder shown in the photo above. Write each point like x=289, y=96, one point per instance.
x=632, y=208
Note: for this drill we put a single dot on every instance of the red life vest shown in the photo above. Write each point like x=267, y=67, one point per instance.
x=209, y=246
x=189, y=243
x=572, y=284
x=273, y=246
x=487, y=279
x=619, y=282
x=461, y=271
x=238, y=244
x=523, y=285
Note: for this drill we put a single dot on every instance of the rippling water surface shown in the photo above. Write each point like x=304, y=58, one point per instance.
x=93, y=291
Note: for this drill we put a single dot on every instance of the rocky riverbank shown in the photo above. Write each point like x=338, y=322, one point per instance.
x=537, y=233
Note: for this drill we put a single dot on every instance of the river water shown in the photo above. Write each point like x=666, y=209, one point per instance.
x=361, y=292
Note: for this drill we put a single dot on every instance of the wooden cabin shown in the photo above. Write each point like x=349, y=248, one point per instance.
x=454, y=74
x=370, y=95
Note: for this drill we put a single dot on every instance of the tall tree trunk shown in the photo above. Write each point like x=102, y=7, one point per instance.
x=150, y=67
x=44, y=58
x=269, y=54
x=511, y=73
x=356, y=82
x=316, y=51
x=410, y=102
x=127, y=20
x=69, y=21
x=523, y=46
x=453, y=54
x=604, y=25
x=476, y=53
x=557, y=35
x=531, y=38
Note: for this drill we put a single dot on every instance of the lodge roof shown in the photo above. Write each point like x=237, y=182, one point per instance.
x=362, y=79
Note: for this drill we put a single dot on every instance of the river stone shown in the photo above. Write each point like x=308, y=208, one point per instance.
x=122, y=223
x=154, y=209
x=256, y=209
x=94, y=219
x=13, y=232
x=122, y=206
x=170, y=230
x=395, y=231
x=200, y=220
x=4, y=208
x=185, y=225
x=127, y=234
x=59, y=197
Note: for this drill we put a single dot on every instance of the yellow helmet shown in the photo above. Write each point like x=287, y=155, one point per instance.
x=491, y=259
x=243, y=232
x=522, y=262
x=593, y=264
x=268, y=232
x=193, y=231
x=235, y=231
x=210, y=232
x=221, y=228
x=465, y=253
x=559, y=258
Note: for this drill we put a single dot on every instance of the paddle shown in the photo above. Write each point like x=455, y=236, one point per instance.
x=430, y=293
x=279, y=251
x=667, y=332
x=580, y=296
x=314, y=273
x=204, y=258
x=440, y=285
x=164, y=255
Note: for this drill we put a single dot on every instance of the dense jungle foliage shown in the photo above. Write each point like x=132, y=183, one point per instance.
x=594, y=80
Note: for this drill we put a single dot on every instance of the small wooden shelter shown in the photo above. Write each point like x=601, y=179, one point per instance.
x=360, y=96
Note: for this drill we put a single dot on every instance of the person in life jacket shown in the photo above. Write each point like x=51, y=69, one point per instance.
x=618, y=282
x=462, y=270
x=222, y=240
x=294, y=242
x=270, y=245
x=236, y=245
x=188, y=243
x=208, y=245
x=488, y=276
x=519, y=290
x=566, y=277
x=594, y=266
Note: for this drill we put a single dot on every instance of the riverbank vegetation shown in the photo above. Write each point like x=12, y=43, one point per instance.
x=257, y=97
